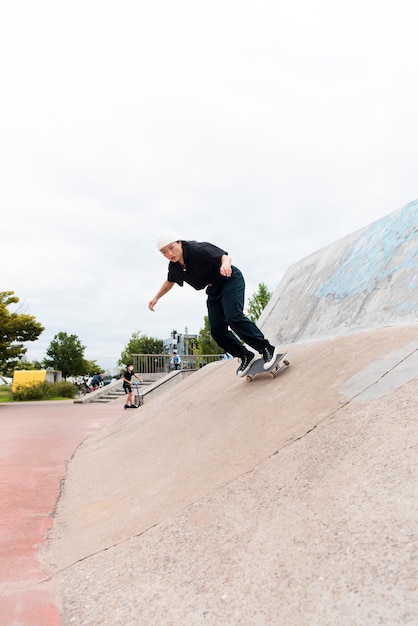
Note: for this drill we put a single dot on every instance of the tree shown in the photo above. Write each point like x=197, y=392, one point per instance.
x=258, y=302
x=91, y=367
x=205, y=342
x=29, y=365
x=140, y=344
x=15, y=330
x=66, y=354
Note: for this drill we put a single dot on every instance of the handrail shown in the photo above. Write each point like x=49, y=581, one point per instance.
x=161, y=363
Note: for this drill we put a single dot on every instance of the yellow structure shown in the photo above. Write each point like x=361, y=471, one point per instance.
x=27, y=377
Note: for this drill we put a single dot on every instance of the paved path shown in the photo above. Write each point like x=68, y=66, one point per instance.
x=37, y=441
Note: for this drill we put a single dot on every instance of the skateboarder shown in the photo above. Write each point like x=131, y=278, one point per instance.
x=205, y=266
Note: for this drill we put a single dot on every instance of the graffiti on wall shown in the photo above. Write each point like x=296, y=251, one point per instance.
x=383, y=249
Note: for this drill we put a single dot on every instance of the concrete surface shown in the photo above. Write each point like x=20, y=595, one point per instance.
x=286, y=501
x=37, y=441
x=365, y=280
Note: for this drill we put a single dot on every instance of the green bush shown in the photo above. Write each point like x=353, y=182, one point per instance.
x=63, y=389
x=31, y=391
x=44, y=391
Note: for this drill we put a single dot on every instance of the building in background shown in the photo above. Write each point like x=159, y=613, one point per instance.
x=28, y=377
x=181, y=342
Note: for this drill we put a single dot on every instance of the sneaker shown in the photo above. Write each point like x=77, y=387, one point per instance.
x=126, y=406
x=270, y=354
x=246, y=361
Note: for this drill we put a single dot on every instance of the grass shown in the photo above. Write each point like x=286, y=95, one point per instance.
x=5, y=393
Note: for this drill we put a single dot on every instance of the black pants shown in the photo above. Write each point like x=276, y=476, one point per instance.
x=225, y=310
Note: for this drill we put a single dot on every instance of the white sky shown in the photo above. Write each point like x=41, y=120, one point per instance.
x=268, y=128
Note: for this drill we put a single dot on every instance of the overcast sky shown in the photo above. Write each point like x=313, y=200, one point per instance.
x=269, y=128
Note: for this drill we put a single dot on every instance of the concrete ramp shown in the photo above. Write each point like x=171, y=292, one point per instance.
x=367, y=280
x=226, y=501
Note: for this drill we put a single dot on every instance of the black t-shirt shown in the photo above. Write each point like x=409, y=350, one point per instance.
x=128, y=375
x=202, y=262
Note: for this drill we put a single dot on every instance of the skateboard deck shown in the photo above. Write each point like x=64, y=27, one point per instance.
x=257, y=367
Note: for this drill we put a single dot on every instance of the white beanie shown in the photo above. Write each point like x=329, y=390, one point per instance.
x=165, y=237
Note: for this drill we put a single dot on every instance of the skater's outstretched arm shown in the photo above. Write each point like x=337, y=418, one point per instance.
x=165, y=288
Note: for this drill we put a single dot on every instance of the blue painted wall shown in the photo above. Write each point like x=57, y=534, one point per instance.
x=373, y=258
x=368, y=279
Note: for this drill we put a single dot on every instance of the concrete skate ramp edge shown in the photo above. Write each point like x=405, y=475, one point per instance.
x=368, y=279
x=213, y=428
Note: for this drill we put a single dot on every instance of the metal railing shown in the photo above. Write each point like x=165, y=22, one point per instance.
x=160, y=363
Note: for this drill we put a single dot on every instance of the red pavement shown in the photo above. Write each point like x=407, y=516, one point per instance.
x=37, y=441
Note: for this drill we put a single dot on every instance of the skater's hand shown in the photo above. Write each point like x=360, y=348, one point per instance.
x=152, y=303
x=226, y=269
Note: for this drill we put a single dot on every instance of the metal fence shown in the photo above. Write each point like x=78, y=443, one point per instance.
x=160, y=363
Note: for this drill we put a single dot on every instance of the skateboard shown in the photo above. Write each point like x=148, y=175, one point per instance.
x=257, y=367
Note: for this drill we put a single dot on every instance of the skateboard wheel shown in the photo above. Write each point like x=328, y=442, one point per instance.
x=249, y=378
x=286, y=362
x=272, y=375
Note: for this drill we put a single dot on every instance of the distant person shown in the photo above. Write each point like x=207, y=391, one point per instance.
x=96, y=381
x=175, y=361
x=205, y=266
x=127, y=385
